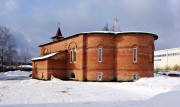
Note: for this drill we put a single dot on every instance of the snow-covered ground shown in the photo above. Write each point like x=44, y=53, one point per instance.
x=17, y=89
x=14, y=75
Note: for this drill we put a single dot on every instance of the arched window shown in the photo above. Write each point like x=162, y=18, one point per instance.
x=71, y=75
x=72, y=49
x=135, y=54
x=100, y=54
x=45, y=51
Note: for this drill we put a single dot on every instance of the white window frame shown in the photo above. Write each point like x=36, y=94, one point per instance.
x=99, y=54
x=75, y=56
x=135, y=54
x=100, y=76
x=135, y=76
x=71, y=53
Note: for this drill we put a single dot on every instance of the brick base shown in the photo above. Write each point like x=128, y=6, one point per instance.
x=107, y=75
x=129, y=75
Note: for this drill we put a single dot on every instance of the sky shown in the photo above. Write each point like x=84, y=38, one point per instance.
x=34, y=22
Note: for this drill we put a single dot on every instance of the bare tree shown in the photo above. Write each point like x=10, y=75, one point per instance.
x=106, y=27
x=7, y=45
x=16, y=59
x=25, y=55
x=11, y=52
x=4, y=36
x=112, y=28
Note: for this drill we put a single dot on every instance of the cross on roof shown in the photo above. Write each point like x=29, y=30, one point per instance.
x=59, y=24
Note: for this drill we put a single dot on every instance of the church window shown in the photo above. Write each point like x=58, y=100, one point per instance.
x=71, y=55
x=75, y=55
x=100, y=75
x=100, y=54
x=45, y=51
x=135, y=54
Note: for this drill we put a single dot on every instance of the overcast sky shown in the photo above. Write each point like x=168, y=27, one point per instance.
x=33, y=22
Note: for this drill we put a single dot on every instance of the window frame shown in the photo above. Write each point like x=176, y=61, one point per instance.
x=71, y=58
x=99, y=54
x=74, y=55
x=45, y=51
x=100, y=76
x=135, y=54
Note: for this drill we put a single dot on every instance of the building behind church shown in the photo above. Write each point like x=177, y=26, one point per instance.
x=97, y=56
x=167, y=58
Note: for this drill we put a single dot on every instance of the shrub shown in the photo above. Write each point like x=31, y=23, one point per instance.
x=2, y=69
x=26, y=69
x=167, y=68
x=157, y=69
x=176, y=68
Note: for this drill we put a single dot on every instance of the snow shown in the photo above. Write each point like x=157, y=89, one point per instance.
x=158, y=91
x=101, y=32
x=25, y=66
x=17, y=73
x=117, y=32
x=112, y=32
x=13, y=75
x=45, y=56
x=169, y=99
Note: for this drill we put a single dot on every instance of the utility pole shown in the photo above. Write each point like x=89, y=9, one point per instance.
x=115, y=24
x=167, y=58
